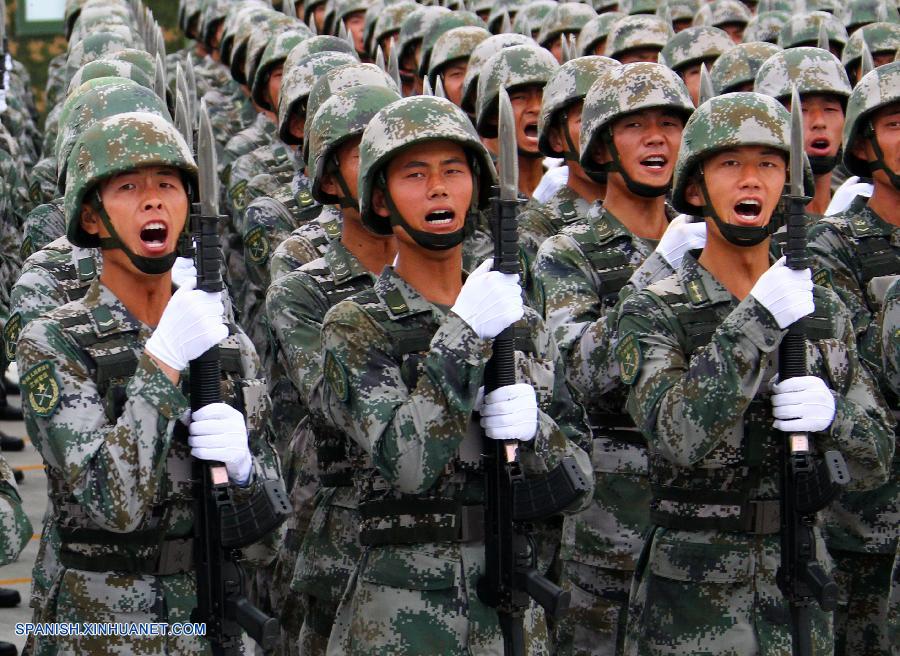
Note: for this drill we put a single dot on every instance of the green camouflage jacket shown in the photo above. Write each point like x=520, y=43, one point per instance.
x=44, y=224
x=15, y=529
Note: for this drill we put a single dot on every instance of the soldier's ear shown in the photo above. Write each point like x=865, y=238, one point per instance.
x=378, y=202
x=90, y=222
x=329, y=185
x=555, y=138
x=693, y=194
x=862, y=149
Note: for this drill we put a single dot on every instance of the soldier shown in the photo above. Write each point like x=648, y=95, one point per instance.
x=766, y=26
x=592, y=38
x=856, y=252
x=103, y=403
x=699, y=353
x=559, y=134
x=403, y=365
x=449, y=59
x=637, y=39
x=688, y=50
x=523, y=71
x=803, y=30
x=859, y=13
x=736, y=69
x=882, y=40
x=409, y=46
x=731, y=16
x=295, y=306
x=630, y=129
x=564, y=20
x=824, y=88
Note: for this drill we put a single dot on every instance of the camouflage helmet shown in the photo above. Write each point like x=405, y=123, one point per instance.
x=566, y=18
x=682, y=10
x=811, y=70
x=568, y=84
x=341, y=117
x=455, y=44
x=622, y=90
x=529, y=18
x=634, y=32
x=70, y=15
x=114, y=145
x=96, y=46
x=274, y=55
x=95, y=100
x=879, y=37
x=857, y=13
x=237, y=15
x=109, y=68
x=296, y=84
x=723, y=12
x=635, y=7
x=411, y=121
x=389, y=22
x=482, y=52
x=260, y=39
x=373, y=12
x=340, y=79
x=830, y=6
x=503, y=8
x=414, y=26
x=766, y=26
x=803, y=30
x=214, y=13
x=596, y=30
x=106, y=21
x=259, y=27
x=140, y=59
x=189, y=12
x=517, y=66
x=693, y=45
x=786, y=6
x=443, y=24
x=729, y=121
x=878, y=88
x=738, y=66
x=338, y=10
x=314, y=46
x=603, y=6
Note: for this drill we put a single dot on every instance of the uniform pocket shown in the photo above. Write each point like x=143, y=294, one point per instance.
x=103, y=596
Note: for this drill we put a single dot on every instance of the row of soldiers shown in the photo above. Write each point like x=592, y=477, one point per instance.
x=357, y=144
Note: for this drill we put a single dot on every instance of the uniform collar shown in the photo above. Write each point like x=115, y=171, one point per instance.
x=108, y=314
x=343, y=264
x=568, y=202
x=699, y=284
x=399, y=297
x=867, y=223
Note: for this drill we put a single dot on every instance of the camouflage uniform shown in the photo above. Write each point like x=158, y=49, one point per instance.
x=88, y=390
x=305, y=244
x=698, y=362
x=419, y=597
x=855, y=251
x=15, y=529
x=579, y=273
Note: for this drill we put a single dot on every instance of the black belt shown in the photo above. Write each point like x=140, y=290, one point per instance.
x=173, y=557
x=337, y=479
x=436, y=520
x=762, y=517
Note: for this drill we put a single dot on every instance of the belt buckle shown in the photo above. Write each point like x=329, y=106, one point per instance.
x=766, y=516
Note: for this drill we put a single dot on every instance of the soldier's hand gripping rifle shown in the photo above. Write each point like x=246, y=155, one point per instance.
x=222, y=525
x=807, y=485
x=510, y=579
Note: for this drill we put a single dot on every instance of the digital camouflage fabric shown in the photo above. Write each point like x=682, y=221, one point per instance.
x=15, y=528
x=695, y=45
x=637, y=32
x=735, y=70
x=810, y=70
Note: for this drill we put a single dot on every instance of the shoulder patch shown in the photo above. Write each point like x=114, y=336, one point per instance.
x=27, y=248
x=256, y=245
x=822, y=278
x=304, y=198
x=237, y=194
x=41, y=389
x=336, y=375
x=11, y=335
x=628, y=353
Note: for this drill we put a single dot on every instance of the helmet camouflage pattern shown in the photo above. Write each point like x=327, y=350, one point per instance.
x=602, y=6
x=637, y=32
x=440, y=26
x=414, y=27
x=188, y=16
x=529, y=18
x=739, y=66
x=256, y=27
x=390, y=20
x=482, y=52
x=454, y=44
x=680, y=10
x=518, y=66
x=116, y=144
x=214, y=12
x=723, y=12
x=297, y=82
x=864, y=12
x=787, y=6
x=694, y=45
x=501, y=8
x=408, y=122
x=339, y=10
x=106, y=21
x=238, y=14
x=109, y=68
x=634, y=7
x=829, y=6
x=275, y=54
x=880, y=37
x=95, y=100
x=96, y=46
x=277, y=25
x=595, y=30
x=729, y=121
x=803, y=30
x=878, y=88
x=340, y=79
x=565, y=18
x=70, y=14
x=136, y=57
x=342, y=116
x=314, y=46
x=568, y=84
x=623, y=90
x=766, y=26
x=811, y=70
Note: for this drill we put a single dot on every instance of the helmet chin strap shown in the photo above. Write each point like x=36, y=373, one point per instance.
x=744, y=236
x=879, y=162
x=635, y=187
x=347, y=201
x=822, y=164
x=150, y=265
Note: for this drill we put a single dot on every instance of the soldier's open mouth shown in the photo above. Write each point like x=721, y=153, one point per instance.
x=748, y=210
x=654, y=162
x=531, y=130
x=439, y=217
x=820, y=146
x=153, y=235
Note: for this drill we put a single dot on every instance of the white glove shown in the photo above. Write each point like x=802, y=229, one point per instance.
x=510, y=413
x=490, y=301
x=681, y=237
x=786, y=293
x=218, y=432
x=802, y=405
x=191, y=323
x=184, y=272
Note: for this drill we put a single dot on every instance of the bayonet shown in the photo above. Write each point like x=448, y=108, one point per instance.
x=439, y=87
x=706, y=86
x=312, y=24
x=160, y=84
x=160, y=43
x=508, y=161
x=208, y=182
x=426, y=87
x=192, y=89
x=394, y=64
x=182, y=107
x=796, y=166
x=565, y=52
x=379, y=59
x=505, y=24
x=823, y=36
x=866, y=61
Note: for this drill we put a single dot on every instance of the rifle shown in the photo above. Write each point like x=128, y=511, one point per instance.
x=806, y=486
x=510, y=579
x=223, y=525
